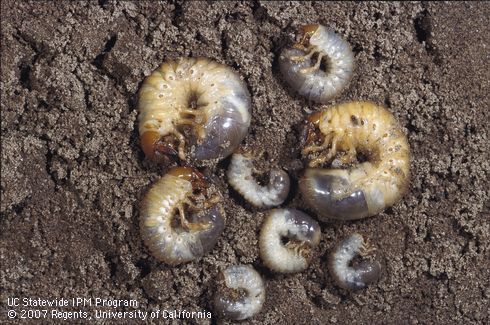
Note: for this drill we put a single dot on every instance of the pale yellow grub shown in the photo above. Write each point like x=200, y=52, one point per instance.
x=368, y=187
x=206, y=96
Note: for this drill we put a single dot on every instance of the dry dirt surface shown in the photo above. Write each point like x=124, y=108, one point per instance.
x=73, y=173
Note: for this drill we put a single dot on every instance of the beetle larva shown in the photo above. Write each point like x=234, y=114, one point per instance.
x=353, y=277
x=241, y=179
x=301, y=65
x=368, y=187
x=195, y=94
x=241, y=293
x=179, y=241
x=302, y=234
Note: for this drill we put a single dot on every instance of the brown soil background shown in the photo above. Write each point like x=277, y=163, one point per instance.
x=73, y=173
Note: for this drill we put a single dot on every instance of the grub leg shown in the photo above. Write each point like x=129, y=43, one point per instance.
x=316, y=148
x=310, y=51
x=314, y=67
x=325, y=156
x=181, y=148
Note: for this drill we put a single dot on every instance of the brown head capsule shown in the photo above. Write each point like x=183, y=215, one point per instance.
x=358, y=276
x=368, y=187
x=194, y=231
x=194, y=96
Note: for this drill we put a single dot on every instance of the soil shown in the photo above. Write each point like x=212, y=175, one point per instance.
x=73, y=173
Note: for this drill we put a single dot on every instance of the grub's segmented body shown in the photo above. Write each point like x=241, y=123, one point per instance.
x=196, y=93
x=179, y=242
x=301, y=65
x=241, y=293
x=240, y=177
x=358, y=276
x=368, y=187
x=302, y=234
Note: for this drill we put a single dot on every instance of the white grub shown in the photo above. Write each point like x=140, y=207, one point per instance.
x=199, y=94
x=358, y=276
x=240, y=294
x=241, y=179
x=364, y=188
x=302, y=234
x=301, y=65
x=194, y=235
